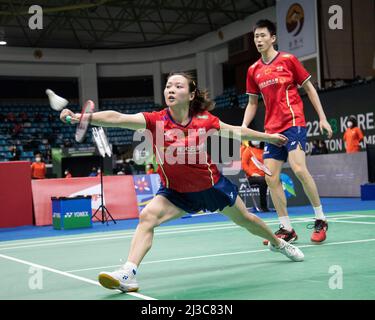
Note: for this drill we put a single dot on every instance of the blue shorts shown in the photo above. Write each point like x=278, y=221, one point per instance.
x=297, y=137
x=221, y=195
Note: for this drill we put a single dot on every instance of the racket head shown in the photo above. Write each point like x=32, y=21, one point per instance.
x=97, y=141
x=84, y=121
x=261, y=166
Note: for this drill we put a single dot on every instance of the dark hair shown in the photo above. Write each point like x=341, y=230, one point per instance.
x=266, y=24
x=354, y=120
x=200, y=102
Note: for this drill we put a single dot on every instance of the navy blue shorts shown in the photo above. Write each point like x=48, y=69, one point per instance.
x=297, y=137
x=221, y=195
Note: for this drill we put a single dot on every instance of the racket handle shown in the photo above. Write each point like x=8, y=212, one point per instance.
x=68, y=119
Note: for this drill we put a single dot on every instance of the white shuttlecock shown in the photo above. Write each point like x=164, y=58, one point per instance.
x=56, y=102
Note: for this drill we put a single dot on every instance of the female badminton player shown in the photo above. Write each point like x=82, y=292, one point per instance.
x=276, y=76
x=184, y=187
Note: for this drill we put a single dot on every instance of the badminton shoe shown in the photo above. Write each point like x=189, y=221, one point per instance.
x=288, y=236
x=119, y=279
x=320, y=231
x=288, y=250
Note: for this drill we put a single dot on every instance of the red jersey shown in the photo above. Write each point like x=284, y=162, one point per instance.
x=277, y=82
x=193, y=171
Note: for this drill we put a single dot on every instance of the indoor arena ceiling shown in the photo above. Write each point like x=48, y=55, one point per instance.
x=95, y=24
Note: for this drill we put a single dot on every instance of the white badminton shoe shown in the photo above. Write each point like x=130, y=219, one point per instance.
x=120, y=279
x=288, y=250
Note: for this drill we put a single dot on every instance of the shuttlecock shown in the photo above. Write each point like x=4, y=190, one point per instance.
x=56, y=102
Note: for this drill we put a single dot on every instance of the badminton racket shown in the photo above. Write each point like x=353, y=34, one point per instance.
x=84, y=120
x=260, y=165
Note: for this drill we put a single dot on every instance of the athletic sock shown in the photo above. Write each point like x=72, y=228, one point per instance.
x=319, y=215
x=286, y=223
x=130, y=267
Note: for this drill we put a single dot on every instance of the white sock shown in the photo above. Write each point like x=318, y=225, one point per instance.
x=319, y=215
x=286, y=223
x=130, y=267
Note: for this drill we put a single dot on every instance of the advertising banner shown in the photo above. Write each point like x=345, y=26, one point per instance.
x=15, y=194
x=119, y=195
x=146, y=187
x=296, y=25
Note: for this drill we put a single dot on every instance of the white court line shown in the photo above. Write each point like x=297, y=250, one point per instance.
x=99, y=235
x=124, y=233
x=354, y=222
x=228, y=254
x=363, y=216
x=157, y=232
x=112, y=238
x=66, y=274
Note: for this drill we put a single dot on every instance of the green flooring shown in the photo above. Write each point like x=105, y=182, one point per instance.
x=206, y=261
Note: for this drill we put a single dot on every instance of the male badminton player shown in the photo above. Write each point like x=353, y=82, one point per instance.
x=184, y=187
x=276, y=76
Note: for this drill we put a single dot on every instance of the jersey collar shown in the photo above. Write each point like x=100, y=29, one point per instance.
x=179, y=124
x=269, y=62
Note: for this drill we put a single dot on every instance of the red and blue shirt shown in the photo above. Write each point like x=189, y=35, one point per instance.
x=277, y=82
x=172, y=141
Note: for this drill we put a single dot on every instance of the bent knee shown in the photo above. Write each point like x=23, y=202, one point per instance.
x=148, y=218
x=301, y=173
x=272, y=181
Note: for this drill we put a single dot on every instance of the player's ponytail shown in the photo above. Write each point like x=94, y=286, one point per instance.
x=201, y=101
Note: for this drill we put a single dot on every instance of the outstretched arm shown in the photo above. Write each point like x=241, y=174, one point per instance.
x=242, y=133
x=314, y=98
x=109, y=119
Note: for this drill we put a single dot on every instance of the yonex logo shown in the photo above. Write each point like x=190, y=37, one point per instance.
x=125, y=277
x=76, y=214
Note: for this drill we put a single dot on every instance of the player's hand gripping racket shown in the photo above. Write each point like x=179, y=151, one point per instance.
x=84, y=120
x=260, y=165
